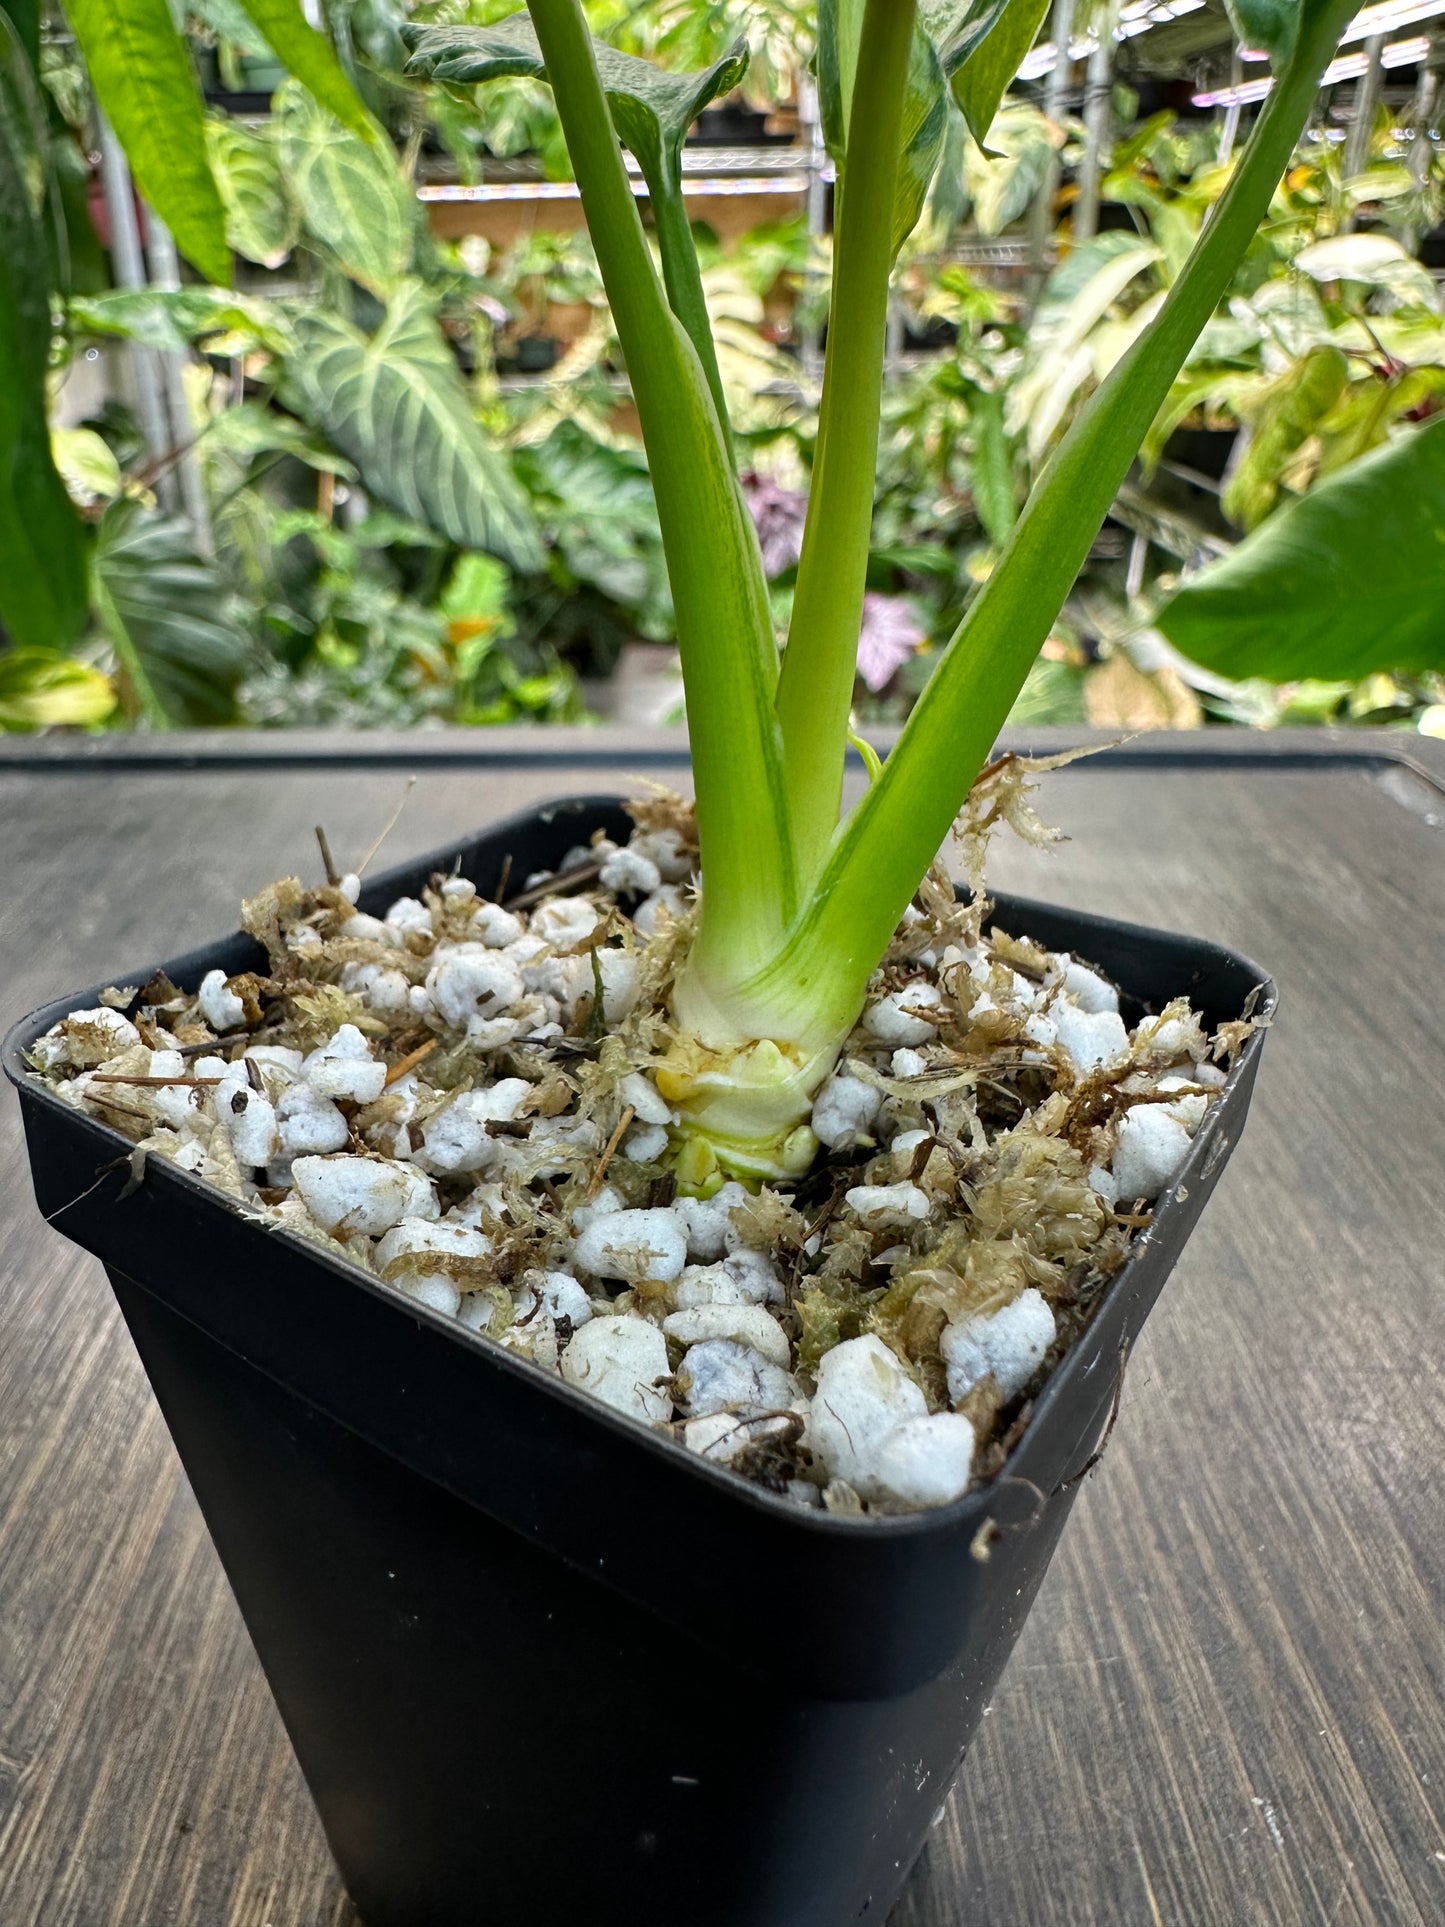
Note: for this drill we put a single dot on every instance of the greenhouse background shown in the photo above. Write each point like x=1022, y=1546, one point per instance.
x=390, y=474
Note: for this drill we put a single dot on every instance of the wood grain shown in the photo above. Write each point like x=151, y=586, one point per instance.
x=1228, y=1706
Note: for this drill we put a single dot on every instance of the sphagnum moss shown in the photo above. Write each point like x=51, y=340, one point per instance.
x=467, y=1100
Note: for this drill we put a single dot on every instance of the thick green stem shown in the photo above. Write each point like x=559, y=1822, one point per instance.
x=815, y=689
x=814, y=987
x=729, y=657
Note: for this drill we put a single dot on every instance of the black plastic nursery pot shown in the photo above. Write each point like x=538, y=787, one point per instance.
x=541, y=1665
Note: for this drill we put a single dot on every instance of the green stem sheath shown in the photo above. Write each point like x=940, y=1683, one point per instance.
x=815, y=687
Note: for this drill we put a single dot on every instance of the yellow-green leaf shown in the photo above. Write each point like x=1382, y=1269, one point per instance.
x=308, y=57
x=142, y=77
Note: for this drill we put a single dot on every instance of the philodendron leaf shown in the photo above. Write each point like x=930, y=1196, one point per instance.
x=395, y=405
x=42, y=540
x=1270, y=25
x=840, y=28
x=1346, y=580
x=262, y=219
x=355, y=203
x=308, y=57
x=180, y=651
x=925, y=106
x=142, y=76
x=652, y=109
x=1282, y=416
x=983, y=55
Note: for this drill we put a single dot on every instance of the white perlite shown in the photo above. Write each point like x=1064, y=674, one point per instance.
x=1010, y=1343
x=618, y=1360
x=222, y=1008
x=863, y=1396
x=721, y=1375
x=844, y=1111
x=744, y=1324
x=633, y=1244
x=348, y=1196
x=925, y=1461
x=1152, y=1146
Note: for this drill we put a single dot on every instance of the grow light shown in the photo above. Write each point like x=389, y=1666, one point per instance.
x=1400, y=53
x=1135, y=18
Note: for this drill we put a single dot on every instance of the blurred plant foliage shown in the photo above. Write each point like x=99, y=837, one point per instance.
x=405, y=531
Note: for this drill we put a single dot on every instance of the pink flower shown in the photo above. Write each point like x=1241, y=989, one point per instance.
x=889, y=636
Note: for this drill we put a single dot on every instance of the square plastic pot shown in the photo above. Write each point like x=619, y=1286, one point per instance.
x=538, y=1663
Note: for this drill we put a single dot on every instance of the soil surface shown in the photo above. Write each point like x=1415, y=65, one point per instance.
x=459, y=1097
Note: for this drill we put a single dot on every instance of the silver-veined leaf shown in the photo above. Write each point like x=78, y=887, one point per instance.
x=172, y=318
x=180, y=650
x=355, y=203
x=1342, y=582
x=396, y=406
x=262, y=219
x=142, y=76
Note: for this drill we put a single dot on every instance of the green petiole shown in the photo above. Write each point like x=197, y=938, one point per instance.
x=797, y=909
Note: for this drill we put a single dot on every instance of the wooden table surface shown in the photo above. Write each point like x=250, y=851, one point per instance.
x=1226, y=1707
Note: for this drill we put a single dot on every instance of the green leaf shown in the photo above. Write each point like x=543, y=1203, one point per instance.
x=142, y=77
x=251, y=429
x=180, y=651
x=173, y=318
x=840, y=28
x=1282, y=417
x=993, y=479
x=1346, y=580
x=262, y=219
x=308, y=57
x=355, y=204
x=982, y=76
x=396, y=406
x=598, y=507
x=1374, y=259
x=1004, y=181
x=651, y=108
x=42, y=540
x=1270, y=25
x=87, y=465
x=925, y=106
x=40, y=689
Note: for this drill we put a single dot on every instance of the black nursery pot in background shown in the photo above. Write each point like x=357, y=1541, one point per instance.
x=540, y=1665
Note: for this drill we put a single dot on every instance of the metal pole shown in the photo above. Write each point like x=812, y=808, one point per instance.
x=1424, y=114
x=166, y=275
x=129, y=265
x=1041, y=214
x=1367, y=99
x=1097, y=88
